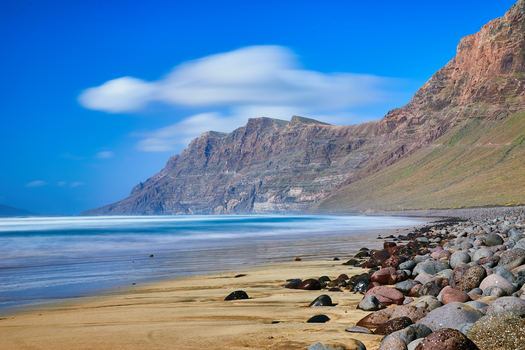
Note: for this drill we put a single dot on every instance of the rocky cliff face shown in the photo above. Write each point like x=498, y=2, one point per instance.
x=272, y=165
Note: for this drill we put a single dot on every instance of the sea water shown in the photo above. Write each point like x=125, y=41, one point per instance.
x=48, y=258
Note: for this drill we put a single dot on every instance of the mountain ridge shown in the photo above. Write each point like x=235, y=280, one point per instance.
x=271, y=165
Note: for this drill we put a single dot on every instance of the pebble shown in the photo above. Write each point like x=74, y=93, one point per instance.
x=370, y=303
x=322, y=300
x=387, y=295
x=237, y=295
x=318, y=319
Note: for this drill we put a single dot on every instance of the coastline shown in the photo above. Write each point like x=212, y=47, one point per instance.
x=190, y=312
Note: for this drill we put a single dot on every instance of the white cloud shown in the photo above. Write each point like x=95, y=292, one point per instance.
x=76, y=184
x=36, y=183
x=61, y=183
x=250, y=82
x=105, y=155
x=252, y=76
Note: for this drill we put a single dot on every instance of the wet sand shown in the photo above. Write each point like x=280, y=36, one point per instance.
x=190, y=313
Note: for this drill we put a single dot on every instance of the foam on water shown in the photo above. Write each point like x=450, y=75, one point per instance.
x=58, y=257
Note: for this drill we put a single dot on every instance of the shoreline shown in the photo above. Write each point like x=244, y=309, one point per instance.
x=189, y=312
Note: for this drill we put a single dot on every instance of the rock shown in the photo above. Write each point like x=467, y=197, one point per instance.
x=446, y=339
x=318, y=319
x=477, y=291
x=404, y=336
x=510, y=255
x=361, y=286
x=342, y=277
x=458, y=273
x=471, y=278
x=494, y=291
x=428, y=302
x=357, y=345
x=515, y=235
x=507, y=305
x=393, y=325
x=520, y=244
x=447, y=274
x=310, y=284
x=387, y=295
x=293, y=284
x=322, y=300
x=481, y=306
x=377, y=318
x=385, y=276
x=393, y=261
x=407, y=265
x=431, y=288
x=492, y=240
x=503, y=272
x=430, y=266
x=357, y=329
x=237, y=295
x=482, y=253
x=414, y=344
x=324, y=279
x=501, y=332
x=423, y=277
x=406, y=286
x=451, y=295
x=370, y=303
x=497, y=281
x=459, y=258
x=451, y=315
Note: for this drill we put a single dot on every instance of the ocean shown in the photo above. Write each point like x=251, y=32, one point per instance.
x=44, y=259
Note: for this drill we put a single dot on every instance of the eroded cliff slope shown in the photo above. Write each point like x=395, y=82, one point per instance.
x=272, y=165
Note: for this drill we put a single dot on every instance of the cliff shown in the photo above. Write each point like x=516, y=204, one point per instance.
x=271, y=165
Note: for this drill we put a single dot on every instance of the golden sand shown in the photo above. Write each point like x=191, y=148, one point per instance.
x=190, y=313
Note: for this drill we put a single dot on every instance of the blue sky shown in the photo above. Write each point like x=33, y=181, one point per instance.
x=96, y=95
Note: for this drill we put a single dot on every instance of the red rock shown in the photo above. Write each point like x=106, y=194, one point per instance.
x=310, y=284
x=385, y=276
x=450, y=295
x=441, y=254
x=343, y=277
x=377, y=318
x=394, y=324
x=372, y=285
x=393, y=261
x=387, y=295
x=387, y=245
x=446, y=339
x=394, y=250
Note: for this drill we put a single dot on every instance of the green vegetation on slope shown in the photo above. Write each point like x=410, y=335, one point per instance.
x=479, y=162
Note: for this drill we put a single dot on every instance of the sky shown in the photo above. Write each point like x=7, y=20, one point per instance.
x=97, y=95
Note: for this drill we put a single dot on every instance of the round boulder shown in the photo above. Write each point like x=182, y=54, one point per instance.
x=493, y=239
x=394, y=324
x=507, y=305
x=322, y=300
x=451, y=315
x=497, y=281
x=387, y=295
x=459, y=258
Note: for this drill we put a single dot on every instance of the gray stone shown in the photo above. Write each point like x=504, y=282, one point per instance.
x=406, y=335
x=423, y=240
x=423, y=277
x=482, y=253
x=464, y=327
x=503, y=272
x=447, y=273
x=497, y=281
x=413, y=345
x=475, y=291
x=370, y=303
x=520, y=244
x=511, y=255
x=406, y=286
x=428, y=302
x=507, y=305
x=493, y=240
x=430, y=266
x=420, y=258
x=515, y=235
x=494, y=291
x=407, y=265
x=451, y=315
x=459, y=258
x=478, y=305
x=319, y=346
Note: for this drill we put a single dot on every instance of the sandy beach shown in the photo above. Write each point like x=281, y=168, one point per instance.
x=190, y=313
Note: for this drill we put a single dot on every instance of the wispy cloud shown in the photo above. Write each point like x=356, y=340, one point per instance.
x=76, y=184
x=36, y=183
x=255, y=75
x=105, y=155
x=249, y=82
